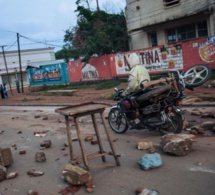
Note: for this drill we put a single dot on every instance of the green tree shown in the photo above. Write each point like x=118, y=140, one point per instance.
x=96, y=33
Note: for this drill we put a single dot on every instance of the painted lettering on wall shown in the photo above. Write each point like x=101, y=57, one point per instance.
x=155, y=59
x=46, y=73
x=207, y=50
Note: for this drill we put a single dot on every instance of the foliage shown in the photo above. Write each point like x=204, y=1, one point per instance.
x=97, y=33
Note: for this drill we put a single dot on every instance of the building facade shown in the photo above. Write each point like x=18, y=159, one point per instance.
x=10, y=71
x=166, y=22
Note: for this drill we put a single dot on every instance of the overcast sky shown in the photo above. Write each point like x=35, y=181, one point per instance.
x=42, y=21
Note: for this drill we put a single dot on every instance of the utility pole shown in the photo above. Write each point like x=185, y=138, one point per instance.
x=98, y=10
x=20, y=65
x=97, y=2
x=8, y=78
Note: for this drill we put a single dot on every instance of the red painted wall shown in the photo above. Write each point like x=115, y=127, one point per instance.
x=101, y=65
x=197, y=51
x=191, y=53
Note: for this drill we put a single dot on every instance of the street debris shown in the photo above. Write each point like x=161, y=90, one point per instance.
x=1, y=132
x=145, y=191
x=32, y=192
x=196, y=113
x=207, y=115
x=185, y=124
x=45, y=117
x=46, y=144
x=70, y=190
x=192, y=99
x=152, y=149
x=65, y=144
x=197, y=129
x=19, y=132
x=40, y=157
x=40, y=134
x=12, y=175
x=34, y=173
x=14, y=146
x=149, y=161
x=114, y=140
x=75, y=175
x=208, y=125
x=94, y=142
x=199, y=163
x=3, y=173
x=22, y=152
x=177, y=144
x=144, y=145
x=6, y=158
x=88, y=138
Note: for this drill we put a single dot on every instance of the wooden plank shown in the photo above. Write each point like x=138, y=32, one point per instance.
x=80, y=142
x=151, y=83
x=80, y=109
x=69, y=137
x=98, y=136
x=101, y=166
x=109, y=139
x=91, y=156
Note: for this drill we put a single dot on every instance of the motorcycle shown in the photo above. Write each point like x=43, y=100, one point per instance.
x=156, y=105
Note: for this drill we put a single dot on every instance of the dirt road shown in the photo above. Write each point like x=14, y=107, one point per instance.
x=191, y=174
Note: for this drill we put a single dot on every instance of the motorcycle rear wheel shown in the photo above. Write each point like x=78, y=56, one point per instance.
x=174, y=124
x=117, y=121
x=197, y=75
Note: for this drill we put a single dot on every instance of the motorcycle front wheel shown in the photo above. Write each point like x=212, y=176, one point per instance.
x=197, y=75
x=174, y=123
x=117, y=121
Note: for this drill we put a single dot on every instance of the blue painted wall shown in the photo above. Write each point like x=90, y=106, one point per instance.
x=50, y=74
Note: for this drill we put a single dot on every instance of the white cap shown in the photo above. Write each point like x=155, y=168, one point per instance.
x=133, y=60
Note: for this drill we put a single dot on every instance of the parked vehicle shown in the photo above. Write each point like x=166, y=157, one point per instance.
x=156, y=105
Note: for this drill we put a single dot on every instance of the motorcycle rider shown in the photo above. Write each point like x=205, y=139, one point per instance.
x=137, y=75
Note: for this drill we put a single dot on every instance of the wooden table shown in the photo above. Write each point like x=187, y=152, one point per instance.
x=79, y=110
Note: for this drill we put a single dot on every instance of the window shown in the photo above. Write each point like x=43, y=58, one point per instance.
x=153, y=37
x=202, y=29
x=187, y=32
x=171, y=35
x=168, y=3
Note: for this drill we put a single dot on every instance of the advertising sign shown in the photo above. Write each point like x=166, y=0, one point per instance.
x=46, y=73
x=154, y=59
x=207, y=50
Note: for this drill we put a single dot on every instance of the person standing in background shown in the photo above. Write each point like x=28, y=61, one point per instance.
x=5, y=91
x=17, y=86
x=2, y=93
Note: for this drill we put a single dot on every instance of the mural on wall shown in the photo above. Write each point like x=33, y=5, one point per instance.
x=46, y=73
x=207, y=50
x=89, y=71
x=156, y=59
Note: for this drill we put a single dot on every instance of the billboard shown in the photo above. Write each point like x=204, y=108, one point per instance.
x=154, y=59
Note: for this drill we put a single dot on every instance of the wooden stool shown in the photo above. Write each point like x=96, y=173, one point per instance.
x=85, y=109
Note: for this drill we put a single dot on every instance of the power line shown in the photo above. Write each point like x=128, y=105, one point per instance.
x=40, y=42
x=11, y=45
